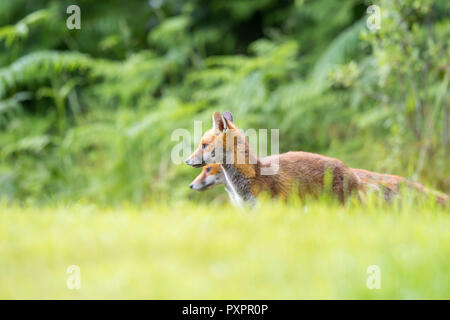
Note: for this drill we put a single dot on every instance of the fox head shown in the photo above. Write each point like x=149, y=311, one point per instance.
x=210, y=176
x=223, y=143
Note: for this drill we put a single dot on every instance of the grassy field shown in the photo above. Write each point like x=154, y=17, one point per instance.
x=194, y=251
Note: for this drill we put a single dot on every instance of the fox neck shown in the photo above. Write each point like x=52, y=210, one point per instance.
x=238, y=183
x=234, y=198
x=243, y=169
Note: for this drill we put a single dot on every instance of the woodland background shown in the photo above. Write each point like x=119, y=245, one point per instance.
x=88, y=114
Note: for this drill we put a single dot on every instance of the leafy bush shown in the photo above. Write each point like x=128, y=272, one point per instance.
x=88, y=114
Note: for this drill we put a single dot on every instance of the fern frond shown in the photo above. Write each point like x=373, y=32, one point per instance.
x=336, y=53
x=38, y=66
x=21, y=29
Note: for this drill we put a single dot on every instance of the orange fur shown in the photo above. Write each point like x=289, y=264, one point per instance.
x=214, y=168
x=392, y=184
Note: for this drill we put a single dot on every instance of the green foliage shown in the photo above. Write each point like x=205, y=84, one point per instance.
x=407, y=77
x=89, y=114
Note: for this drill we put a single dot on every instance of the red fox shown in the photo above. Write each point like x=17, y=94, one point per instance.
x=211, y=176
x=243, y=170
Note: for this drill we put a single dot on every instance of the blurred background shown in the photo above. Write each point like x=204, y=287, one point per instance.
x=88, y=114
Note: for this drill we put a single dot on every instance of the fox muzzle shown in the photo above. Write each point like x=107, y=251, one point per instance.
x=194, y=162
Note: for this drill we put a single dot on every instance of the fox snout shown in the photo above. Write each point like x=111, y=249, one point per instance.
x=194, y=161
x=200, y=186
x=196, y=186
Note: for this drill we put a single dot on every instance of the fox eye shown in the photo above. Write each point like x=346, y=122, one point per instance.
x=208, y=169
x=204, y=145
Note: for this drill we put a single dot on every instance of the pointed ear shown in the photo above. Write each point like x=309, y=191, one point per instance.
x=228, y=118
x=218, y=122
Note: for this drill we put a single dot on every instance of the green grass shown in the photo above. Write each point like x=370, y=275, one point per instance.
x=199, y=251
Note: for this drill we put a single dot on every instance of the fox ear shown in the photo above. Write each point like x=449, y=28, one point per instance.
x=218, y=122
x=228, y=118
